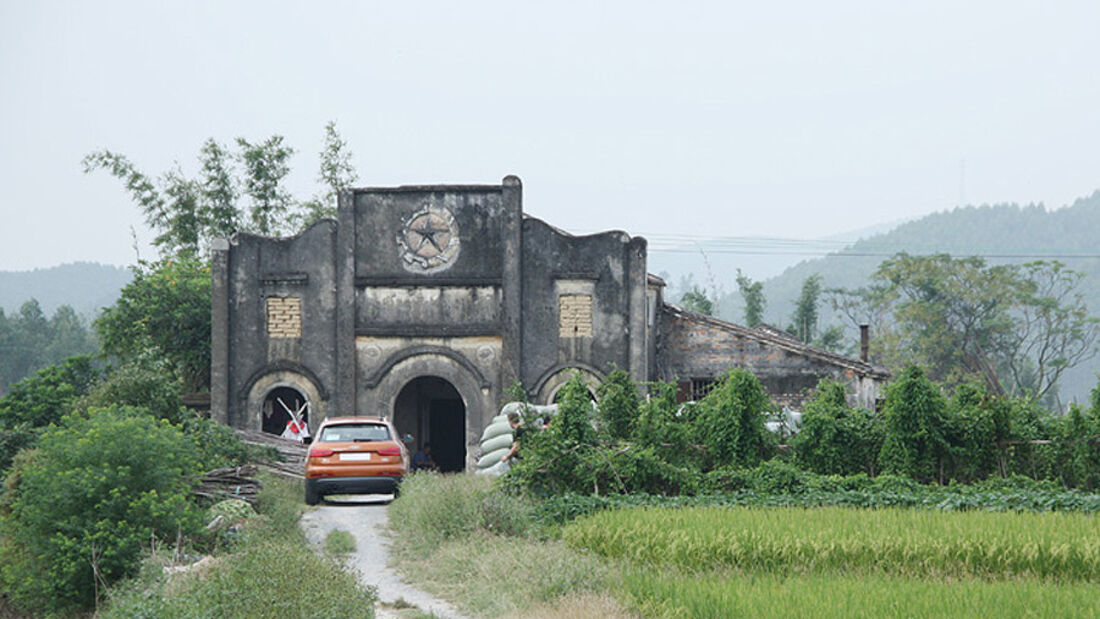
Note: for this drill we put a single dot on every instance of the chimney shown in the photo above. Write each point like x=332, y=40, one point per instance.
x=864, y=342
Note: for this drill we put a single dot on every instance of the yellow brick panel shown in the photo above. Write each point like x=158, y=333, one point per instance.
x=284, y=317
x=575, y=315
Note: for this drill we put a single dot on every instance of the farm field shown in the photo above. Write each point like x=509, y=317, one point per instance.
x=718, y=562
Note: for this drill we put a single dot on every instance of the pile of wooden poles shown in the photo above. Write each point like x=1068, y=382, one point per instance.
x=236, y=482
x=292, y=454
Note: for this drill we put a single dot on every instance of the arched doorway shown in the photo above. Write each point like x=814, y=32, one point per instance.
x=278, y=405
x=432, y=410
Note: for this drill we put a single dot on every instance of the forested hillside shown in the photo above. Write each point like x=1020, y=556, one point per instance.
x=85, y=286
x=1000, y=233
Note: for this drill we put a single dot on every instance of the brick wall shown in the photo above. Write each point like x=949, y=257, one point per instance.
x=575, y=315
x=284, y=317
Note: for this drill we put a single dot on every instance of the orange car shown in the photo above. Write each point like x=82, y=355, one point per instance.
x=355, y=455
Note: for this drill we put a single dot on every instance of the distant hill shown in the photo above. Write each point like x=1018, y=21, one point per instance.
x=86, y=286
x=1003, y=233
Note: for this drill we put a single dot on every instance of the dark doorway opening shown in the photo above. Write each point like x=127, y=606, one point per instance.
x=432, y=410
x=276, y=406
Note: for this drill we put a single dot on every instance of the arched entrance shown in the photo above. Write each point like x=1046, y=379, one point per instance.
x=279, y=404
x=432, y=410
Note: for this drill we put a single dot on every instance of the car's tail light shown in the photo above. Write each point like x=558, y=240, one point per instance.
x=390, y=451
x=320, y=452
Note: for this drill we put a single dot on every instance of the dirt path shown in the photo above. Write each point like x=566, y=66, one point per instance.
x=365, y=518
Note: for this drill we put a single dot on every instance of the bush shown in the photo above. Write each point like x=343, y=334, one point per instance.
x=34, y=403
x=731, y=421
x=618, y=404
x=916, y=442
x=836, y=439
x=102, y=486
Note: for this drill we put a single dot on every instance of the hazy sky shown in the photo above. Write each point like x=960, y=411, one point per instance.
x=790, y=119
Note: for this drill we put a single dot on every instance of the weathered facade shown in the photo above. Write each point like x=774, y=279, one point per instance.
x=423, y=303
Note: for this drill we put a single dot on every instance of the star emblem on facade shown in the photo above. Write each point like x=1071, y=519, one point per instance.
x=428, y=240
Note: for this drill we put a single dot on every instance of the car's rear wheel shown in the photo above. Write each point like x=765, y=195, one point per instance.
x=312, y=496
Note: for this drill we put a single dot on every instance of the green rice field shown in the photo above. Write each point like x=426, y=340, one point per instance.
x=1050, y=546
x=826, y=596
x=844, y=562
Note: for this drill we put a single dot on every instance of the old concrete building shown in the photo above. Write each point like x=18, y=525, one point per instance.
x=424, y=303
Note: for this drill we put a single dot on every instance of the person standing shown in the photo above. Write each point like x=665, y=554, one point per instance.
x=517, y=436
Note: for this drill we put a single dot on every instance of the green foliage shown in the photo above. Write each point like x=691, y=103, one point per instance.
x=146, y=383
x=731, y=421
x=618, y=404
x=696, y=300
x=915, y=444
x=335, y=175
x=776, y=484
x=189, y=212
x=753, y=295
x=163, y=312
x=253, y=582
x=104, y=484
x=45, y=397
x=29, y=341
x=804, y=320
x=836, y=439
x=35, y=402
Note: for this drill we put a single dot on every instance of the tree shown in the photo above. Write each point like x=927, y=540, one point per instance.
x=188, y=213
x=916, y=443
x=336, y=174
x=804, y=321
x=266, y=165
x=753, y=294
x=1016, y=328
x=696, y=300
x=163, y=312
x=104, y=485
x=731, y=420
x=835, y=439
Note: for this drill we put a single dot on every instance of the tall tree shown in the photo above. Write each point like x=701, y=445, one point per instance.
x=1015, y=328
x=266, y=165
x=696, y=300
x=753, y=294
x=188, y=212
x=804, y=321
x=336, y=174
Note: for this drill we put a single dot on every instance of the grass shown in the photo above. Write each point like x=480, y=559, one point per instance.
x=339, y=542
x=1050, y=546
x=720, y=595
x=271, y=573
x=468, y=542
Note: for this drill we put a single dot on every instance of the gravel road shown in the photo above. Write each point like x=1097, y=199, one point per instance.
x=365, y=517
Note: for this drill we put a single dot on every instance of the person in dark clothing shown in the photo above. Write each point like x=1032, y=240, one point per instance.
x=422, y=459
x=517, y=435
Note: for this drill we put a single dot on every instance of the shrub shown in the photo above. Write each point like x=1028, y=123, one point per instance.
x=618, y=404
x=836, y=439
x=731, y=421
x=104, y=483
x=915, y=444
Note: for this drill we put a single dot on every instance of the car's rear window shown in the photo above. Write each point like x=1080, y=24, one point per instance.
x=348, y=432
